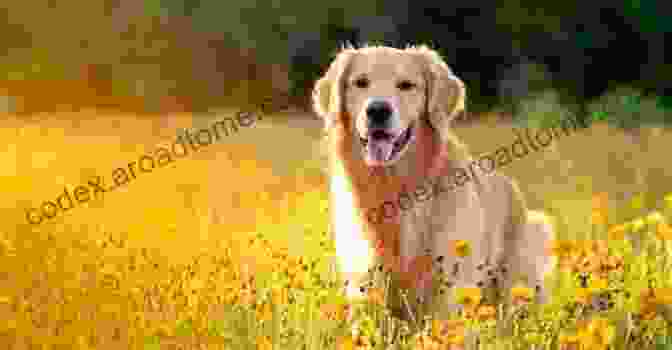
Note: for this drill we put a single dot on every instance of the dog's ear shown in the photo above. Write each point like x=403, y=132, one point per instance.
x=446, y=93
x=328, y=91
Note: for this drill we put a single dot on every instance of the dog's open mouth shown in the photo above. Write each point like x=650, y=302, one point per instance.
x=381, y=147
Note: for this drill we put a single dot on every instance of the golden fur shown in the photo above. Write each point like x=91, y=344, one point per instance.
x=487, y=210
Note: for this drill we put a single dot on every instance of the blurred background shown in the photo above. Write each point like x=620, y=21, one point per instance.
x=89, y=86
x=175, y=55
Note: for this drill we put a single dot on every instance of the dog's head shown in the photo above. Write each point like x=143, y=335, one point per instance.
x=385, y=95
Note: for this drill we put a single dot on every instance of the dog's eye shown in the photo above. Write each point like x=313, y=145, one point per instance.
x=362, y=83
x=405, y=85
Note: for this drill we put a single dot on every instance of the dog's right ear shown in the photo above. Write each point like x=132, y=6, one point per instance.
x=328, y=91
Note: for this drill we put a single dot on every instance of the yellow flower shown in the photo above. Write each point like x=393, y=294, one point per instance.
x=663, y=296
x=596, y=246
x=614, y=262
x=583, y=295
x=457, y=339
x=461, y=248
x=664, y=231
x=522, y=294
x=469, y=297
x=346, y=343
x=618, y=232
x=568, y=342
x=486, y=312
x=247, y=296
x=447, y=328
x=334, y=311
x=264, y=343
x=598, y=285
x=264, y=311
x=562, y=247
x=598, y=218
x=350, y=342
x=590, y=263
x=598, y=334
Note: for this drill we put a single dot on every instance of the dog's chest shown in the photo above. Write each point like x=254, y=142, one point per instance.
x=460, y=215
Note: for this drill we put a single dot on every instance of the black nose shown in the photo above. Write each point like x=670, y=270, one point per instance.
x=379, y=112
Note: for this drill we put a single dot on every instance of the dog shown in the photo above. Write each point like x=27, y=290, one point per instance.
x=387, y=116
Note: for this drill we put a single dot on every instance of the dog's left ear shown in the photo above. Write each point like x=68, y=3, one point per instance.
x=446, y=93
x=329, y=90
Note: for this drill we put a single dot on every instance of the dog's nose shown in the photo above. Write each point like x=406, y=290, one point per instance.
x=378, y=112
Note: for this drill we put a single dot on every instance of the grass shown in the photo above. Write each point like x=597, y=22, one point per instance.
x=144, y=301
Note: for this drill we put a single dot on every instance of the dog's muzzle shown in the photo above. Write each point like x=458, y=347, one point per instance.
x=378, y=114
x=384, y=141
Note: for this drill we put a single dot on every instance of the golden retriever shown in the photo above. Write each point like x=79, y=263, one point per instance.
x=387, y=114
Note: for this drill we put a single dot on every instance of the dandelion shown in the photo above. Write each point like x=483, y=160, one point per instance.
x=461, y=248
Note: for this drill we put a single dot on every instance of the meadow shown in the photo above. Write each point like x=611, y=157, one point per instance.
x=228, y=248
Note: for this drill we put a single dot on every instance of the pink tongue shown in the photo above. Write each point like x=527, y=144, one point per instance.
x=379, y=150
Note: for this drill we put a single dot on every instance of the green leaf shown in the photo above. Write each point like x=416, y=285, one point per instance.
x=599, y=116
